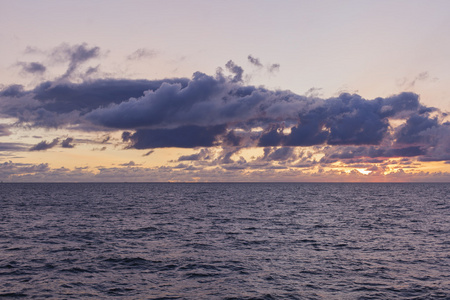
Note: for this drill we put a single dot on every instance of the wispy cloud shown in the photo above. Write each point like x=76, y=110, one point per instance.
x=254, y=61
x=44, y=145
x=75, y=55
x=32, y=67
x=142, y=53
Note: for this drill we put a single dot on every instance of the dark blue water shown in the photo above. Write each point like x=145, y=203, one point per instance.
x=225, y=241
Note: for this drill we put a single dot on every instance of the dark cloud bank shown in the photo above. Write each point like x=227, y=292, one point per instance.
x=219, y=110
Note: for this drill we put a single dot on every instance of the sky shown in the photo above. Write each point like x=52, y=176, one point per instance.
x=224, y=91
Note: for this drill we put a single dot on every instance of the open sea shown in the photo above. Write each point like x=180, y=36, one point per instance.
x=224, y=241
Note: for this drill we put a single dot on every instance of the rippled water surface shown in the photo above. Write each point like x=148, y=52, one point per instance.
x=225, y=241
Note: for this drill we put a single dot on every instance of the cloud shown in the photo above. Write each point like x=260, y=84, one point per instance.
x=53, y=104
x=33, y=50
x=141, y=54
x=413, y=131
x=345, y=120
x=32, y=67
x=437, y=143
x=67, y=143
x=273, y=68
x=129, y=164
x=210, y=101
x=148, y=153
x=14, y=90
x=203, y=154
x=44, y=145
x=4, y=130
x=421, y=77
x=10, y=169
x=13, y=147
x=352, y=153
x=91, y=70
x=287, y=119
x=254, y=61
x=219, y=110
x=181, y=137
x=75, y=55
x=99, y=149
x=314, y=92
x=236, y=70
x=280, y=154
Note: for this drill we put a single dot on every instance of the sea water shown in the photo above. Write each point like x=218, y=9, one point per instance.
x=225, y=241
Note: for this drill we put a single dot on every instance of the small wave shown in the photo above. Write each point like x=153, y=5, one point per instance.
x=201, y=275
x=76, y=270
x=143, y=229
x=131, y=262
x=18, y=248
x=16, y=273
x=119, y=291
x=199, y=266
x=13, y=295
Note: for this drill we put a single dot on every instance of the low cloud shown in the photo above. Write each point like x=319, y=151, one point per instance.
x=236, y=70
x=4, y=130
x=141, y=54
x=53, y=104
x=273, y=68
x=67, y=143
x=421, y=77
x=13, y=147
x=181, y=137
x=203, y=154
x=44, y=145
x=148, y=153
x=75, y=55
x=254, y=61
x=19, y=172
x=32, y=67
x=222, y=111
x=279, y=154
x=129, y=164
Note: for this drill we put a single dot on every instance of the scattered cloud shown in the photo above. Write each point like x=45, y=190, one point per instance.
x=254, y=61
x=67, y=143
x=75, y=55
x=220, y=116
x=4, y=130
x=142, y=53
x=411, y=83
x=129, y=164
x=14, y=147
x=236, y=70
x=32, y=67
x=203, y=154
x=148, y=153
x=10, y=171
x=273, y=68
x=210, y=111
x=44, y=145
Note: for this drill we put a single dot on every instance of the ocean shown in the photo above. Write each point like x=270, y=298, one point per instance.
x=225, y=241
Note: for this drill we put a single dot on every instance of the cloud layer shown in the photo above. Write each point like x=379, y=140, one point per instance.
x=222, y=111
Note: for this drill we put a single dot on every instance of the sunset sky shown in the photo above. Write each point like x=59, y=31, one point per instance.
x=225, y=91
